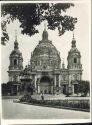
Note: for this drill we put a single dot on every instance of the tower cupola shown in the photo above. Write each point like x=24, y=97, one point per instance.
x=16, y=45
x=73, y=42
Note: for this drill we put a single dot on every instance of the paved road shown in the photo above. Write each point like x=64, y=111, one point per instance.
x=13, y=110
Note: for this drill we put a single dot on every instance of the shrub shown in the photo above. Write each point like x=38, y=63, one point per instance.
x=80, y=104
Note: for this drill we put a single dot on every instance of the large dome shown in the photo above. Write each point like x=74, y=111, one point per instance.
x=45, y=55
x=45, y=48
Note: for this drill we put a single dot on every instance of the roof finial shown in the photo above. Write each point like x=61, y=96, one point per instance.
x=73, y=34
x=73, y=41
x=15, y=43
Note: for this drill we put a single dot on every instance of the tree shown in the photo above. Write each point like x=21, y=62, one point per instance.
x=77, y=89
x=33, y=14
x=84, y=87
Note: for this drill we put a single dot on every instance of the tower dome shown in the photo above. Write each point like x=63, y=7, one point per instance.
x=45, y=55
x=74, y=48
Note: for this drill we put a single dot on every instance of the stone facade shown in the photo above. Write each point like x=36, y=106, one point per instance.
x=45, y=69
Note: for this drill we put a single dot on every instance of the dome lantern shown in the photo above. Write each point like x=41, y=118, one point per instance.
x=45, y=33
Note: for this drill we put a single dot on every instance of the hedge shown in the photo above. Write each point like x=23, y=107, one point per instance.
x=75, y=104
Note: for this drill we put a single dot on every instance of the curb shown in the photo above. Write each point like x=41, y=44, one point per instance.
x=59, y=107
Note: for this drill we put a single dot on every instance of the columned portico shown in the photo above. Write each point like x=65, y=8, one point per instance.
x=45, y=85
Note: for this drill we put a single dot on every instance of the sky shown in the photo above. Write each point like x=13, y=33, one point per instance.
x=63, y=43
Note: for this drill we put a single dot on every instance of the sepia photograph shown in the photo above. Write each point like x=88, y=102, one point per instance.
x=46, y=61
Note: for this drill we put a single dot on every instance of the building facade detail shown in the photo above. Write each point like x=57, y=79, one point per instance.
x=45, y=69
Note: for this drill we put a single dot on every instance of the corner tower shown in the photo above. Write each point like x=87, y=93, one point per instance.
x=74, y=63
x=16, y=63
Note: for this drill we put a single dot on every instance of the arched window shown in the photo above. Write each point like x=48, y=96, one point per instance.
x=75, y=60
x=15, y=62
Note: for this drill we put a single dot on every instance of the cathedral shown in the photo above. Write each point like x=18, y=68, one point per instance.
x=45, y=72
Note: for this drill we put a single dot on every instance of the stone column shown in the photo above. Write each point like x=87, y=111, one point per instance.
x=54, y=80
x=17, y=90
x=10, y=78
x=80, y=76
x=38, y=89
x=59, y=84
x=54, y=91
x=73, y=89
x=18, y=78
x=35, y=81
x=61, y=88
x=59, y=80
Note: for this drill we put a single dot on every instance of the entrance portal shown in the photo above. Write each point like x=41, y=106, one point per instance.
x=45, y=85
